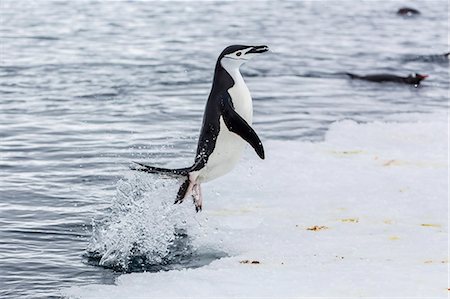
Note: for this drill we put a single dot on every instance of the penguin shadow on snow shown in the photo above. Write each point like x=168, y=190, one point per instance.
x=182, y=255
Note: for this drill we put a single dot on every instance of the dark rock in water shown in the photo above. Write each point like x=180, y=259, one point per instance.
x=407, y=11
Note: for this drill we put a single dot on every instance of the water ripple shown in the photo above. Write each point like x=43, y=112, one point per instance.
x=87, y=87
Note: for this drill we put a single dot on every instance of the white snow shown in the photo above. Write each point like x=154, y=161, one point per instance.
x=377, y=194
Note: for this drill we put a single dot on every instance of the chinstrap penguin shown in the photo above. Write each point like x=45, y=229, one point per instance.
x=407, y=11
x=413, y=79
x=226, y=126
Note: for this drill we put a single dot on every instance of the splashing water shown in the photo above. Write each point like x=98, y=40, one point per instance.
x=143, y=228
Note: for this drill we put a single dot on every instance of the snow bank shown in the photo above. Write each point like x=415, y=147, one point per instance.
x=362, y=214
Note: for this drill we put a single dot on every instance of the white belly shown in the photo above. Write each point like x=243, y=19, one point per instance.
x=242, y=100
x=229, y=146
x=226, y=154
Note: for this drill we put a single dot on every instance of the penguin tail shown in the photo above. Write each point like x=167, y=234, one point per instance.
x=166, y=171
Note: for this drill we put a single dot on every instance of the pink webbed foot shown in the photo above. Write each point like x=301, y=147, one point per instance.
x=184, y=191
x=197, y=197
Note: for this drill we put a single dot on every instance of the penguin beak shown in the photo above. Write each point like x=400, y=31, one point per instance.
x=258, y=49
x=422, y=76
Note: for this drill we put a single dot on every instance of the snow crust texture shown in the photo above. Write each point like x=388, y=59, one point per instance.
x=361, y=214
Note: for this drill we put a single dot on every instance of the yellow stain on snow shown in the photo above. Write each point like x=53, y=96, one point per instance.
x=350, y=220
x=317, y=227
x=394, y=238
x=430, y=225
x=388, y=221
x=394, y=162
x=435, y=262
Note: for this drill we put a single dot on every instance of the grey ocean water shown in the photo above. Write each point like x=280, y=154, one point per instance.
x=88, y=86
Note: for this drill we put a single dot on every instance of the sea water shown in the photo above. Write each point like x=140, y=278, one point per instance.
x=87, y=87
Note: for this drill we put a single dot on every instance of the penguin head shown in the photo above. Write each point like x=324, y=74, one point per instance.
x=408, y=11
x=415, y=78
x=235, y=56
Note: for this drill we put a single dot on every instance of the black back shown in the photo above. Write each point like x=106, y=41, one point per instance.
x=222, y=81
x=415, y=80
x=383, y=78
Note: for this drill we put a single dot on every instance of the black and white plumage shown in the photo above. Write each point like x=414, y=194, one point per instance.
x=226, y=126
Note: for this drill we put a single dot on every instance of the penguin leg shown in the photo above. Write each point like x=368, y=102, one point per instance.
x=186, y=188
x=197, y=196
x=183, y=191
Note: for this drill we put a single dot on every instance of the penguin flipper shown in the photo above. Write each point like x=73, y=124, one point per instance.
x=236, y=124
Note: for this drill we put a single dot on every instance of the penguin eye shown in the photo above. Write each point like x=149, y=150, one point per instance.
x=238, y=54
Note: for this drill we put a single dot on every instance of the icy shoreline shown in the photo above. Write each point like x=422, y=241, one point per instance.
x=361, y=214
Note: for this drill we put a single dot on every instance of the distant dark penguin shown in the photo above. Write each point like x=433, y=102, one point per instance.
x=438, y=58
x=413, y=79
x=226, y=126
x=407, y=11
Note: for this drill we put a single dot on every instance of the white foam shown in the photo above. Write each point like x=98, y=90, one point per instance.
x=379, y=191
x=141, y=222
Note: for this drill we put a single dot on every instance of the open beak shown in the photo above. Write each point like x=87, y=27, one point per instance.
x=258, y=49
